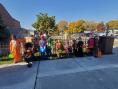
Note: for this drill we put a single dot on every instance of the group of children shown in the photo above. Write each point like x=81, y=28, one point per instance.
x=78, y=47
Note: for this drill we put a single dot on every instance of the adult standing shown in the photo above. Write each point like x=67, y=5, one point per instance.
x=22, y=49
x=80, y=47
x=15, y=47
x=91, y=46
x=18, y=51
x=96, y=40
x=66, y=48
x=58, y=48
x=74, y=47
x=48, y=48
x=42, y=44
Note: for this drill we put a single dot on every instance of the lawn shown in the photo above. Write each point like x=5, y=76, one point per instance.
x=6, y=62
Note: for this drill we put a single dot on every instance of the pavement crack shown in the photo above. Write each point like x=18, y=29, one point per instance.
x=36, y=75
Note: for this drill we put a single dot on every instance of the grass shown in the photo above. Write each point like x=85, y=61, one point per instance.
x=6, y=62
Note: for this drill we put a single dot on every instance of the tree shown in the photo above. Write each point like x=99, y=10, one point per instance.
x=80, y=25
x=62, y=26
x=90, y=26
x=101, y=27
x=113, y=24
x=76, y=27
x=44, y=23
x=71, y=27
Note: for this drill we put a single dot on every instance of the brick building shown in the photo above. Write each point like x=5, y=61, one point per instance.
x=8, y=19
x=12, y=25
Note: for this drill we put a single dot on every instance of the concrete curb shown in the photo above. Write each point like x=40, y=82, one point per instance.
x=9, y=65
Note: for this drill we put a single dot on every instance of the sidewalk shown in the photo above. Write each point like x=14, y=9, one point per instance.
x=71, y=73
x=18, y=76
x=73, y=65
x=79, y=73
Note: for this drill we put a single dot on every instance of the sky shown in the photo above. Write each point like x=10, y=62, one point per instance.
x=69, y=10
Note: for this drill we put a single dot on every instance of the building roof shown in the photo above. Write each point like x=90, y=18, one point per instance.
x=8, y=19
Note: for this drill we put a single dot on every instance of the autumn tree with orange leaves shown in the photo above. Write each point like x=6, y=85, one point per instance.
x=76, y=27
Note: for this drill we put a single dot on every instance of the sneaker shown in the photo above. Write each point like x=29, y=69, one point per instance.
x=29, y=64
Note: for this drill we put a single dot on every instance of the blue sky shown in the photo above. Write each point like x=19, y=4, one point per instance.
x=70, y=10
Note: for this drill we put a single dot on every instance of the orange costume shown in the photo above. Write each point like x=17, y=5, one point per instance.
x=15, y=50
